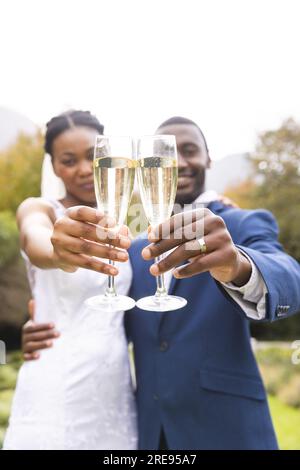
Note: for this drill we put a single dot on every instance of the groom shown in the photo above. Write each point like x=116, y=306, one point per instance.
x=198, y=385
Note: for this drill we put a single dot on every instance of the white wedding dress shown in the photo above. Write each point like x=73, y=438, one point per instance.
x=79, y=394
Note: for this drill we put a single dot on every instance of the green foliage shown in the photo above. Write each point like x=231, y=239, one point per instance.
x=275, y=354
x=15, y=360
x=274, y=378
x=8, y=377
x=282, y=381
x=286, y=422
x=290, y=392
x=277, y=165
x=9, y=238
x=276, y=183
x=20, y=171
x=5, y=405
x=20, y=174
x=281, y=377
x=276, y=187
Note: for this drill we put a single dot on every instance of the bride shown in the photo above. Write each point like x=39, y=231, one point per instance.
x=79, y=394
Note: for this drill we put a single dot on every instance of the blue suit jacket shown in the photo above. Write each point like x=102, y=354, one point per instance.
x=197, y=377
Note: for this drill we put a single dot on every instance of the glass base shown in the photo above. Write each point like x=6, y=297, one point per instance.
x=110, y=304
x=161, y=304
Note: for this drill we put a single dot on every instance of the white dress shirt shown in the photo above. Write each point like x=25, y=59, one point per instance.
x=251, y=296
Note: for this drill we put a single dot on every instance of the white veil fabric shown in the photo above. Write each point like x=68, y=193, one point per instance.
x=52, y=187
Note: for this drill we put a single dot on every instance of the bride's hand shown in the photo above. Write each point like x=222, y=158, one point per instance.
x=82, y=235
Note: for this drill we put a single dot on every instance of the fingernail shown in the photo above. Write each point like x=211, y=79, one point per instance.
x=113, y=271
x=176, y=273
x=51, y=325
x=56, y=334
x=49, y=343
x=124, y=242
x=146, y=253
x=154, y=269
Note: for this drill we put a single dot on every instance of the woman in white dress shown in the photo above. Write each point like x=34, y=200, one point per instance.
x=79, y=394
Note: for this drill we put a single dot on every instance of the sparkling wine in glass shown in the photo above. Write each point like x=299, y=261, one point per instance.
x=114, y=172
x=157, y=178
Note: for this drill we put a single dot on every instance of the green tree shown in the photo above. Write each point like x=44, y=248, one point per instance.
x=9, y=239
x=275, y=186
x=275, y=183
x=277, y=167
x=20, y=171
x=20, y=174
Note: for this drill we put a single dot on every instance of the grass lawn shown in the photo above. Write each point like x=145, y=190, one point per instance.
x=287, y=424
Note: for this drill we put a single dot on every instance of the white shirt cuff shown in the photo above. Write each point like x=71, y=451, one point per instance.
x=251, y=296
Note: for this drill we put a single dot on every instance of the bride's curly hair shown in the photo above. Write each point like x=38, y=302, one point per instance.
x=68, y=120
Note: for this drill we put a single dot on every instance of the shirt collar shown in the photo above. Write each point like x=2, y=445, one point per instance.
x=207, y=197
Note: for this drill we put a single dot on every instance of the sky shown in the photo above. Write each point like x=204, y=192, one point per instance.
x=233, y=66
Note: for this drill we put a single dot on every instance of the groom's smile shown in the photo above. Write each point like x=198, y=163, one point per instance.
x=193, y=160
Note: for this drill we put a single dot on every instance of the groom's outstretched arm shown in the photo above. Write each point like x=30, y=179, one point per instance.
x=280, y=272
x=257, y=240
x=180, y=233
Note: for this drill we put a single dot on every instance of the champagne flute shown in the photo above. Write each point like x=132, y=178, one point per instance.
x=157, y=178
x=114, y=172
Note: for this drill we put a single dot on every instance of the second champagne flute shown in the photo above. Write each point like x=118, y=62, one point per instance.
x=114, y=171
x=157, y=178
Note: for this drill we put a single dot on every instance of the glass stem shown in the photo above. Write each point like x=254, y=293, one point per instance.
x=110, y=290
x=161, y=290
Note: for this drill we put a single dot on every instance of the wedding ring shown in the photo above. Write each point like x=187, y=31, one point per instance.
x=202, y=244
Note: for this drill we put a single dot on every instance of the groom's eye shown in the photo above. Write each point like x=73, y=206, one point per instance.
x=189, y=150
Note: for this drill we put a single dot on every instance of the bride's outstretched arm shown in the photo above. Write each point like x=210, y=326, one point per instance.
x=36, y=218
x=75, y=240
x=83, y=235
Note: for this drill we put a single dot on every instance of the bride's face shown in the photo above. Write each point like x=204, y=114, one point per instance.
x=72, y=153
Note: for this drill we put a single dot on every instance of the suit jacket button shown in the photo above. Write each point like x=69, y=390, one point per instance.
x=164, y=345
x=155, y=397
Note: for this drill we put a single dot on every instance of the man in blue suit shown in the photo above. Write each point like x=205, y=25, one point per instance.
x=198, y=384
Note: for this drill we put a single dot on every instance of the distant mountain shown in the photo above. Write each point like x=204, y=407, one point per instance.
x=228, y=171
x=11, y=124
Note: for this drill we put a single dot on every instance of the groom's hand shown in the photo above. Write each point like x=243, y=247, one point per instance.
x=222, y=258
x=36, y=336
x=83, y=235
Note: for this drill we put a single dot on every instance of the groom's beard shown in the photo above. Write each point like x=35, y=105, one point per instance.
x=189, y=194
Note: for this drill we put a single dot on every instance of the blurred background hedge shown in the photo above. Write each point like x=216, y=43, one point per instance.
x=20, y=170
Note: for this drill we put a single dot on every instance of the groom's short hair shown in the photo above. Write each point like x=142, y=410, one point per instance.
x=182, y=120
